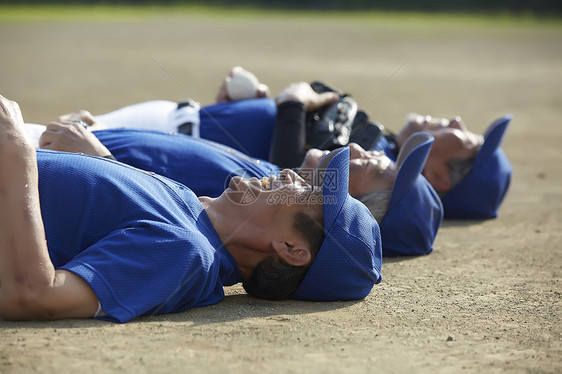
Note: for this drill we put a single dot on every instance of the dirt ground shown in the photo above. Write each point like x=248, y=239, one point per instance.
x=487, y=300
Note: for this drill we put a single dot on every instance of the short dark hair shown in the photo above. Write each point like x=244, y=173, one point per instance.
x=273, y=279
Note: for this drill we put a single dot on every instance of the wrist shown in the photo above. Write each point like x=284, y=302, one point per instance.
x=290, y=105
x=280, y=99
x=17, y=151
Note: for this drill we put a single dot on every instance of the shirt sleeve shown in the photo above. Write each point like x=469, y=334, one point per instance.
x=153, y=268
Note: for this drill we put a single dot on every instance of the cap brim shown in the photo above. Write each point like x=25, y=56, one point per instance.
x=332, y=174
x=410, y=162
x=317, y=176
x=480, y=193
x=493, y=137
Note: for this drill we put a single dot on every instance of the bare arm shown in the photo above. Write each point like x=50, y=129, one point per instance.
x=30, y=287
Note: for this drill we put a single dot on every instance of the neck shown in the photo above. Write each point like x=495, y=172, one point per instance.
x=246, y=258
x=240, y=236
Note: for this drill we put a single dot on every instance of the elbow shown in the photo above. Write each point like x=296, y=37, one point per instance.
x=10, y=304
x=21, y=303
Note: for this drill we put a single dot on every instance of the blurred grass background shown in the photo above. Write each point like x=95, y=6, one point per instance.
x=101, y=57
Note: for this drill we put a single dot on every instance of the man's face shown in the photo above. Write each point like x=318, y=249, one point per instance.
x=287, y=190
x=264, y=212
x=452, y=141
x=368, y=170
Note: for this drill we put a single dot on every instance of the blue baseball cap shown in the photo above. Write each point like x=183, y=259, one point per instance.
x=349, y=262
x=480, y=193
x=415, y=211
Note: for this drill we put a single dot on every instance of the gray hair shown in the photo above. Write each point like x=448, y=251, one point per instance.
x=459, y=169
x=377, y=202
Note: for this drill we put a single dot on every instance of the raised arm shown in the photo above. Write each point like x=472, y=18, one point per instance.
x=289, y=139
x=222, y=95
x=30, y=287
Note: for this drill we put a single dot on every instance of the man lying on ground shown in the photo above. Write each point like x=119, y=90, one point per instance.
x=83, y=236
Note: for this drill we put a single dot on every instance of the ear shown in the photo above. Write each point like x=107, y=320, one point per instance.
x=440, y=180
x=293, y=253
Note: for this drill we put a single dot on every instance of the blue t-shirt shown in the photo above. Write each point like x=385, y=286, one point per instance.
x=143, y=243
x=205, y=167
x=245, y=125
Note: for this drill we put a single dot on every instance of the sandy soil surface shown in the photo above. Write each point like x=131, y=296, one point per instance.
x=488, y=299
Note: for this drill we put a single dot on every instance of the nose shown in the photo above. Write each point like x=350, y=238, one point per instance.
x=358, y=152
x=355, y=150
x=316, y=154
x=456, y=123
x=288, y=176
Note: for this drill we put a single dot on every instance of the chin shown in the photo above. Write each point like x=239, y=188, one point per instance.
x=312, y=158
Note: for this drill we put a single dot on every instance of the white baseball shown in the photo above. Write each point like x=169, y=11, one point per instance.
x=243, y=85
